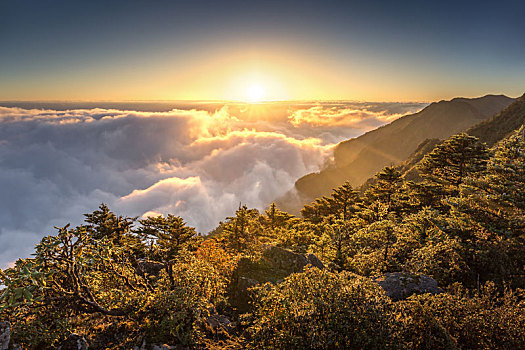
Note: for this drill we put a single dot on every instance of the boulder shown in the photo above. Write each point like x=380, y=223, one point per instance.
x=74, y=342
x=314, y=261
x=165, y=347
x=5, y=335
x=145, y=346
x=149, y=268
x=284, y=259
x=241, y=295
x=219, y=325
x=401, y=285
x=275, y=265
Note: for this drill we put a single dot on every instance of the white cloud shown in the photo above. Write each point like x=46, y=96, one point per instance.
x=57, y=165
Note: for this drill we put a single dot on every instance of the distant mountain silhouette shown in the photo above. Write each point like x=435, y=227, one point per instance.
x=358, y=159
x=502, y=124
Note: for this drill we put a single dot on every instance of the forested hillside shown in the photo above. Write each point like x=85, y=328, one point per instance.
x=435, y=264
x=502, y=124
x=358, y=159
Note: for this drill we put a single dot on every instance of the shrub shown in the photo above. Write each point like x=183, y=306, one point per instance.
x=318, y=309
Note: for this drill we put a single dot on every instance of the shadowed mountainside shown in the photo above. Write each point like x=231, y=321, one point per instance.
x=502, y=124
x=358, y=159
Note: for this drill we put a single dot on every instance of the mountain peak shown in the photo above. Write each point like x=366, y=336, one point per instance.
x=502, y=124
x=358, y=159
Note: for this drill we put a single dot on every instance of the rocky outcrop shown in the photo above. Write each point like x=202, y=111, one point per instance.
x=401, y=285
x=286, y=260
x=314, y=261
x=219, y=325
x=274, y=265
x=149, y=268
x=74, y=342
x=165, y=347
x=241, y=295
x=146, y=346
x=283, y=259
x=5, y=335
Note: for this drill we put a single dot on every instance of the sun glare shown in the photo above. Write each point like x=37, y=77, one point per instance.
x=255, y=93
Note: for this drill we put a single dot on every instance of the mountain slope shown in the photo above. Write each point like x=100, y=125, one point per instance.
x=358, y=159
x=502, y=124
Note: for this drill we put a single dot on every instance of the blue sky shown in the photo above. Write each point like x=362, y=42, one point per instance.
x=373, y=50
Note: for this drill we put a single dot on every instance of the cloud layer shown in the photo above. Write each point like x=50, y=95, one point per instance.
x=200, y=164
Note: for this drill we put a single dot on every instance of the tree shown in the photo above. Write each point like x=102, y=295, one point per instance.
x=275, y=218
x=166, y=237
x=316, y=211
x=76, y=279
x=383, y=195
x=242, y=229
x=372, y=248
x=452, y=161
x=344, y=201
x=104, y=223
x=494, y=201
x=71, y=269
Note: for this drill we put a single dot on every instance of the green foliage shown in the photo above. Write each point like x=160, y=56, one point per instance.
x=104, y=223
x=302, y=313
x=453, y=160
x=175, y=313
x=274, y=219
x=342, y=203
x=163, y=238
x=301, y=236
x=481, y=320
x=242, y=229
x=119, y=281
x=83, y=272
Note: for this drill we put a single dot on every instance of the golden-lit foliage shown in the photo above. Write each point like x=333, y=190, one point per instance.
x=122, y=282
x=216, y=254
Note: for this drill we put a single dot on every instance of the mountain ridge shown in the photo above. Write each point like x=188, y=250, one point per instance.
x=357, y=159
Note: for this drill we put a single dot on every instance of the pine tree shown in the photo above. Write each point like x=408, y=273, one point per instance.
x=316, y=211
x=242, y=228
x=496, y=198
x=452, y=161
x=104, y=223
x=382, y=195
x=166, y=237
x=168, y=234
x=344, y=200
x=388, y=183
x=275, y=218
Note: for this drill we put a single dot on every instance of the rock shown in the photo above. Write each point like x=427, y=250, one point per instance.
x=314, y=261
x=275, y=265
x=219, y=325
x=289, y=261
x=149, y=268
x=145, y=346
x=74, y=342
x=284, y=259
x=241, y=294
x=334, y=267
x=401, y=285
x=164, y=347
x=5, y=335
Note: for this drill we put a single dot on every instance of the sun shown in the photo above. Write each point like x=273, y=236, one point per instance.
x=255, y=93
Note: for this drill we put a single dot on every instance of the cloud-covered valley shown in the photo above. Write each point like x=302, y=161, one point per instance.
x=196, y=162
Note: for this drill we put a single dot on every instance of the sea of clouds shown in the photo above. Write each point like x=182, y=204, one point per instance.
x=56, y=165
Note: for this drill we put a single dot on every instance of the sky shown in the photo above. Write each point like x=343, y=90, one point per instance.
x=260, y=50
